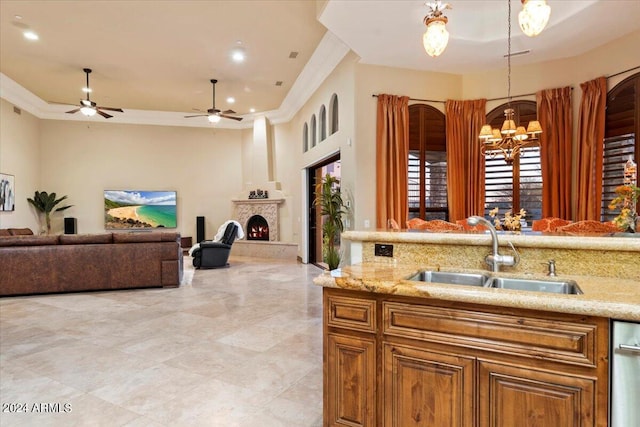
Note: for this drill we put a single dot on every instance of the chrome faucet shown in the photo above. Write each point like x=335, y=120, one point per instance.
x=495, y=259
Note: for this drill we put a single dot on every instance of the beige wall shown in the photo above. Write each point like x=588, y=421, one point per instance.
x=81, y=159
x=20, y=156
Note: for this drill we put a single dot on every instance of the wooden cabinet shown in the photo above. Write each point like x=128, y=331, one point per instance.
x=424, y=388
x=409, y=362
x=352, y=362
x=515, y=396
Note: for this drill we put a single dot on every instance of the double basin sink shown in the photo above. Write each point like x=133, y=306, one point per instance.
x=567, y=287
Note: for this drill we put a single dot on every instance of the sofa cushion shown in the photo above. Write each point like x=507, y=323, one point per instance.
x=83, y=239
x=136, y=237
x=170, y=237
x=20, y=232
x=28, y=240
x=4, y=232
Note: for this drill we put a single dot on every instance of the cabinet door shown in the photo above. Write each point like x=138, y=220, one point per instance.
x=513, y=396
x=350, y=376
x=424, y=388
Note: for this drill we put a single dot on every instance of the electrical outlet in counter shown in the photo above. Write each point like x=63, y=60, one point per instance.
x=385, y=250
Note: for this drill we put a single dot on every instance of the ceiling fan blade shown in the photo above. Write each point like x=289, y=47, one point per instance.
x=231, y=117
x=228, y=112
x=197, y=115
x=73, y=111
x=103, y=114
x=119, y=110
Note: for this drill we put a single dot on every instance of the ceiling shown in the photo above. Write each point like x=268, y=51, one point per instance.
x=160, y=56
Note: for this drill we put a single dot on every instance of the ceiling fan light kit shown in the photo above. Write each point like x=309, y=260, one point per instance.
x=213, y=114
x=436, y=37
x=90, y=108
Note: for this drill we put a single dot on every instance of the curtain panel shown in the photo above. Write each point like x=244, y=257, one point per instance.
x=591, y=123
x=392, y=159
x=465, y=162
x=555, y=117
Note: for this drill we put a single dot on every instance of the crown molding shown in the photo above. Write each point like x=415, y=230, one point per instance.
x=325, y=58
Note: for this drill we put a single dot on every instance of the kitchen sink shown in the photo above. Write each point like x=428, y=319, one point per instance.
x=451, y=278
x=568, y=287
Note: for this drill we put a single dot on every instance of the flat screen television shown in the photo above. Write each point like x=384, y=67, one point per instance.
x=139, y=209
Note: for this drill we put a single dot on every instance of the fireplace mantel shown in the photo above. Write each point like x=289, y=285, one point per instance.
x=268, y=208
x=257, y=201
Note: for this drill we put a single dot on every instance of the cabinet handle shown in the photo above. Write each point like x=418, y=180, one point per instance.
x=633, y=348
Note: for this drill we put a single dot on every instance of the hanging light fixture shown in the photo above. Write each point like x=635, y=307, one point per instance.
x=511, y=139
x=534, y=16
x=436, y=37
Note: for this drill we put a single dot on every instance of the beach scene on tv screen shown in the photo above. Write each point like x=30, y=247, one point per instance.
x=140, y=209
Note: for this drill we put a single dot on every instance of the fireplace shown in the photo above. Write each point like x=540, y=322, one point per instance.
x=267, y=210
x=257, y=228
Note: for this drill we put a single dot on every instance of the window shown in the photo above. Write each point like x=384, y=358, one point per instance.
x=314, y=135
x=427, y=188
x=519, y=185
x=333, y=114
x=305, y=138
x=323, y=123
x=622, y=124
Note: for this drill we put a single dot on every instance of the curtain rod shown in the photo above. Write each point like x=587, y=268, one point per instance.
x=622, y=72
x=416, y=99
x=488, y=100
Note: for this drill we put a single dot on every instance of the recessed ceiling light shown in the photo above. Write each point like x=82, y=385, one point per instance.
x=252, y=110
x=293, y=55
x=279, y=83
x=231, y=100
x=238, y=55
x=18, y=17
x=30, y=35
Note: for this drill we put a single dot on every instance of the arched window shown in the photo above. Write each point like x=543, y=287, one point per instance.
x=333, y=114
x=519, y=185
x=314, y=135
x=427, y=178
x=305, y=138
x=622, y=127
x=322, y=116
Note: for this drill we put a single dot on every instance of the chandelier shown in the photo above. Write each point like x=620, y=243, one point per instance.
x=511, y=139
x=534, y=16
x=436, y=37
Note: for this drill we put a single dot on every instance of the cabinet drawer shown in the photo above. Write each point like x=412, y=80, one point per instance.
x=568, y=339
x=351, y=313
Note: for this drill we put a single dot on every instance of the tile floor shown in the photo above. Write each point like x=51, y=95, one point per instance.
x=236, y=347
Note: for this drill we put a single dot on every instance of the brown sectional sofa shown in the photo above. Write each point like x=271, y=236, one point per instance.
x=43, y=264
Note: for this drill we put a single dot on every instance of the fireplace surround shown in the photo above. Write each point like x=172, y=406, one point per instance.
x=245, y=209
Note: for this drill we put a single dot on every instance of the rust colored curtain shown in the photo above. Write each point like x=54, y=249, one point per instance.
x=392, y=159
x=590, y=148
x=555, y=117
x=465, y=163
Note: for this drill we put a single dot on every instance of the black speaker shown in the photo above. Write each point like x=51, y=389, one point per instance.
x=70, y=226
x=199, y=229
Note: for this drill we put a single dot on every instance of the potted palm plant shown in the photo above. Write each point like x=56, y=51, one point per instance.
x=329, y=200
x=45, y=203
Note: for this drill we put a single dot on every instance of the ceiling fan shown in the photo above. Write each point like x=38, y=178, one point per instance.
x=213, y=113
x=90, y=108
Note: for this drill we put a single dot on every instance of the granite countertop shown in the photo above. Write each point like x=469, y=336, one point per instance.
x=606, y=297
x=618, y=242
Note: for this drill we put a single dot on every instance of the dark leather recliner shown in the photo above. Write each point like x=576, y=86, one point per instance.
x=215, y=254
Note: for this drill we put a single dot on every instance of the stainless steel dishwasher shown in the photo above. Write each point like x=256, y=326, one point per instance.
x=625, y=374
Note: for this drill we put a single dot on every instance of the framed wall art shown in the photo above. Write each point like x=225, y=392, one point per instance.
x=7, y=192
